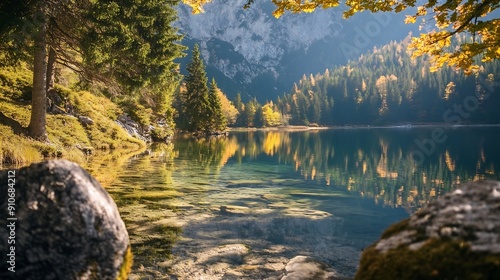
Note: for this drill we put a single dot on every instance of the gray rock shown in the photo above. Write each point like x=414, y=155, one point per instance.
x=133, y=128
x=86, y=120
x=85, y=149
x=67, y=226
x=471, y=213
x=307, y=268
x=455, y=237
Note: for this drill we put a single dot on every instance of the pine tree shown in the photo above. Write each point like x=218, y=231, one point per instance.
x=218, y=121
x=240, y=121
x=197, y=106
x=368, y=91
x=259, y=118
x=250, y=111
x=130, y=47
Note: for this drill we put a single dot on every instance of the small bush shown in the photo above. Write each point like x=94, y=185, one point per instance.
x=161, y=134
x=16, y=84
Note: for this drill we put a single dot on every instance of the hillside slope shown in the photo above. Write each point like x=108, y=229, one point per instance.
x=69, y=137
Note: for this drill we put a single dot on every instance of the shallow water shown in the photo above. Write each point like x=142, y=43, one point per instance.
x=242, y=206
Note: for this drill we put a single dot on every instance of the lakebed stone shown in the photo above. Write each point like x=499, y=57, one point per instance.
x=66, y=225
x=455, y=237
x=307, y=268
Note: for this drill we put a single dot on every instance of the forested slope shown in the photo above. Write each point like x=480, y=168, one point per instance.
x=387, y=86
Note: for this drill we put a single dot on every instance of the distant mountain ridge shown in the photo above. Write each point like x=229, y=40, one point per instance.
x=252, y=52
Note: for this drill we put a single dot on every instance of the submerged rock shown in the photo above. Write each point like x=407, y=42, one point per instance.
x=307, y=268
x=455, y=237
x=66, y=227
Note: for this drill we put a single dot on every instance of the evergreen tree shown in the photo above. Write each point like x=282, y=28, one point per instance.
x=218, y=121
x=251, y=108
x=259, y=118
x=240, y=121
x=129, y=47
x=197, y=104
x=382, y=87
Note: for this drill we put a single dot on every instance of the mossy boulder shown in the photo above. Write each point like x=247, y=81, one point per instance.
x=66, y=225
x=455, y=237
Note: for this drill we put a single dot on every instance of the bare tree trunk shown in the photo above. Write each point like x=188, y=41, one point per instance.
x=36, y=128
x=51, y=69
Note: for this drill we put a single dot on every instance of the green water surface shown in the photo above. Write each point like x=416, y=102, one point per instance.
x=278, y=194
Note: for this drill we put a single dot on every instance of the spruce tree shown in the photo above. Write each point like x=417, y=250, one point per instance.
x=218, y=121
x=238, y=103
x=128, y=46
x=197, y=106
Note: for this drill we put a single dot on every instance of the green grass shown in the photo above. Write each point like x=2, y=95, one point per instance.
x=66, y=134
x=17, y=150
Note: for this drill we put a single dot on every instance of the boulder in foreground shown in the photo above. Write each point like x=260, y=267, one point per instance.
x=67, y=227
x=455, y=237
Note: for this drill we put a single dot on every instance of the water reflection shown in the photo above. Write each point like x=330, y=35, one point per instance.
x=241, y=206
x=140, y=182
x=377, y=163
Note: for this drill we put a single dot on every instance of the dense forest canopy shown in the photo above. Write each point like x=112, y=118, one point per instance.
x=382, y=87
x=451, y=18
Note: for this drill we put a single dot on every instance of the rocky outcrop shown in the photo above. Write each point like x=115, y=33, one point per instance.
x=133, y=128
x=455, y=237
x=57, y=104
x=65, y=225
x=160, y=132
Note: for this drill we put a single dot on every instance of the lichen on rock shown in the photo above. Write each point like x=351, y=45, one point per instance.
x=455, y=237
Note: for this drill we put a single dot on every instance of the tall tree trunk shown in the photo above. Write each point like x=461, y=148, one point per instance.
x=36, y=128
x=51, y=69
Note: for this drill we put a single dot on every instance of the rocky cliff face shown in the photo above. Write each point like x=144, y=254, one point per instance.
x=254, y=35
x=250, y=47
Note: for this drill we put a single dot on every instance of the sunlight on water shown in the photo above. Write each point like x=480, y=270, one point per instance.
x=245, y=204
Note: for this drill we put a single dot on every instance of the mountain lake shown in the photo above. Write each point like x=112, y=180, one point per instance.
x=241, y=206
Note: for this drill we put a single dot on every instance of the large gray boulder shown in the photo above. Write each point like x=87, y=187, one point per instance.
x=455, y=237
x=66, y=225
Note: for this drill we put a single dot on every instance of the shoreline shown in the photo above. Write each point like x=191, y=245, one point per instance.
x=306, y=128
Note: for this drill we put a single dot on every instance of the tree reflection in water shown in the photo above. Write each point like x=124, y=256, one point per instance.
x=366, y=161
x=263, y=197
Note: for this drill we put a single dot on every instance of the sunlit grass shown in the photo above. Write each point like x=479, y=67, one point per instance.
x=66, y=134
x=66, y=131
x=104, y=133
x=16, y=150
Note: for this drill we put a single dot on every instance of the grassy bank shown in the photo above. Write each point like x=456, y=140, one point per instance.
x=68, y=136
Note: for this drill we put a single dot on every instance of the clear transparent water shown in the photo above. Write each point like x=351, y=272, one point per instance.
x=245, y=204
